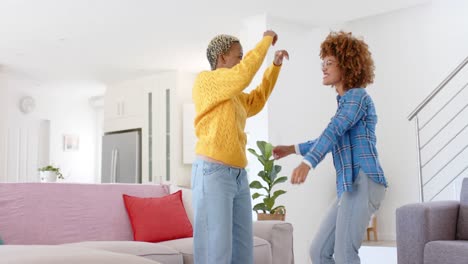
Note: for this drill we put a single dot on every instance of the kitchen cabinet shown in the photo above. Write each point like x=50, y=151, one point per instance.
x=123, y=107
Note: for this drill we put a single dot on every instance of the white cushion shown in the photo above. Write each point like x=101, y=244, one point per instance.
x=262, y=249
x=21, y=254
x=152, y=251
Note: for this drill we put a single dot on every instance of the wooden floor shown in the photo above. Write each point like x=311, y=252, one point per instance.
x=380, y=243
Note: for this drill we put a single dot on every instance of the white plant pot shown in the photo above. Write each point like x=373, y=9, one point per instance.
x=48, y=176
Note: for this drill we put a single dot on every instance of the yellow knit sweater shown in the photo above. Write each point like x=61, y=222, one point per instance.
x=222, y=107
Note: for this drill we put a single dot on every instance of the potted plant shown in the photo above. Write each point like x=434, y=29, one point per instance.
x=50, y=173
x=266, y=210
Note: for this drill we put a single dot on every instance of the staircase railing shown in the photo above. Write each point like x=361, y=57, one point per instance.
x=440, y=138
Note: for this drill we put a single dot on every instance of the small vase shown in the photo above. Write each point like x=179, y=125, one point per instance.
x=48, y=176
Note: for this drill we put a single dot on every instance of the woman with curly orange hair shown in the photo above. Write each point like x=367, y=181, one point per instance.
x=348, y=67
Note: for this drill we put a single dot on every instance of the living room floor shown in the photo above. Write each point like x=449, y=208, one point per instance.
x=382, y=252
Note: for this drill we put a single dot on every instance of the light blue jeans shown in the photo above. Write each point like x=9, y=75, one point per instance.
x=222, y=214
x=342, y=230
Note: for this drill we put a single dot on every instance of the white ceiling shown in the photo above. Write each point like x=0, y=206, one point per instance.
x=109, y=40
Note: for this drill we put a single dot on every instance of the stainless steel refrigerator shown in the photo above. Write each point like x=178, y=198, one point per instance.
x=121, y=157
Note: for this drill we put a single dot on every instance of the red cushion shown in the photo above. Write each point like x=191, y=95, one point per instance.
x=158, y=219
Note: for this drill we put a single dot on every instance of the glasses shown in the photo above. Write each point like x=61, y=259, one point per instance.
x=327, y=63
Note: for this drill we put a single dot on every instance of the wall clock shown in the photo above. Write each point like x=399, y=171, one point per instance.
x=27, y=104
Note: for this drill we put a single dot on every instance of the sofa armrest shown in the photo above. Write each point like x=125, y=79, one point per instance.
x=280, y=236
x=417, y=224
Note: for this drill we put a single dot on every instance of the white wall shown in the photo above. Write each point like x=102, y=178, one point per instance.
x=3, y=122
x=256, y=127
x=99, y=132
x=69, y=113
x=414, y=50
x=183, y=95
x=75, y=117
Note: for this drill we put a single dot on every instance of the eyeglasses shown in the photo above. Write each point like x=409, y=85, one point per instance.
x=327, y=63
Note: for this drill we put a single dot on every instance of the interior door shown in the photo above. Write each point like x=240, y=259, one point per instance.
x=27, y=149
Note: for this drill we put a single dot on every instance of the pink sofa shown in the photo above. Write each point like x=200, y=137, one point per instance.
x=84, y=221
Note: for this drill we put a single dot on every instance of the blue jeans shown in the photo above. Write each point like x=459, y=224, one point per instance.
x=222, y=214
x=342, y=230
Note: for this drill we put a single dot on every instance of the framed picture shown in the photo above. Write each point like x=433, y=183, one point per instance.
x=71, y=142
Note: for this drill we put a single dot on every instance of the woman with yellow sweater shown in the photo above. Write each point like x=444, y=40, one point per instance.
x=221, y=194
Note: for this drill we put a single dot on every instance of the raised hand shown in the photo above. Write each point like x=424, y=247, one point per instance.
x=279, y=55
x=299, y=174
x=282, y=151
x=273, y=34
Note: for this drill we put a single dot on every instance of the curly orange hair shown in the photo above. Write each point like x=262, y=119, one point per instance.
x=354, y=58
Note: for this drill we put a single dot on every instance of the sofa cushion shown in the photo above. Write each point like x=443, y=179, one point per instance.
x=447, y=251
x=158, y=219
x=184, y=246
x=20, y=254
x=280, y=236
x=152, y=251
x=462, y=226
x=262, y=249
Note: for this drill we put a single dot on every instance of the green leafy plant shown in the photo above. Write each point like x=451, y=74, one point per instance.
x=53, y=169
x=270, y=178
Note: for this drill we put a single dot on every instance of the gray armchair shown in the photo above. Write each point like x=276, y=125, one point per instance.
x=433, y=232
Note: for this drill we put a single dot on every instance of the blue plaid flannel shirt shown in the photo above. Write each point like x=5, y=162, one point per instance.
x=351, y=136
